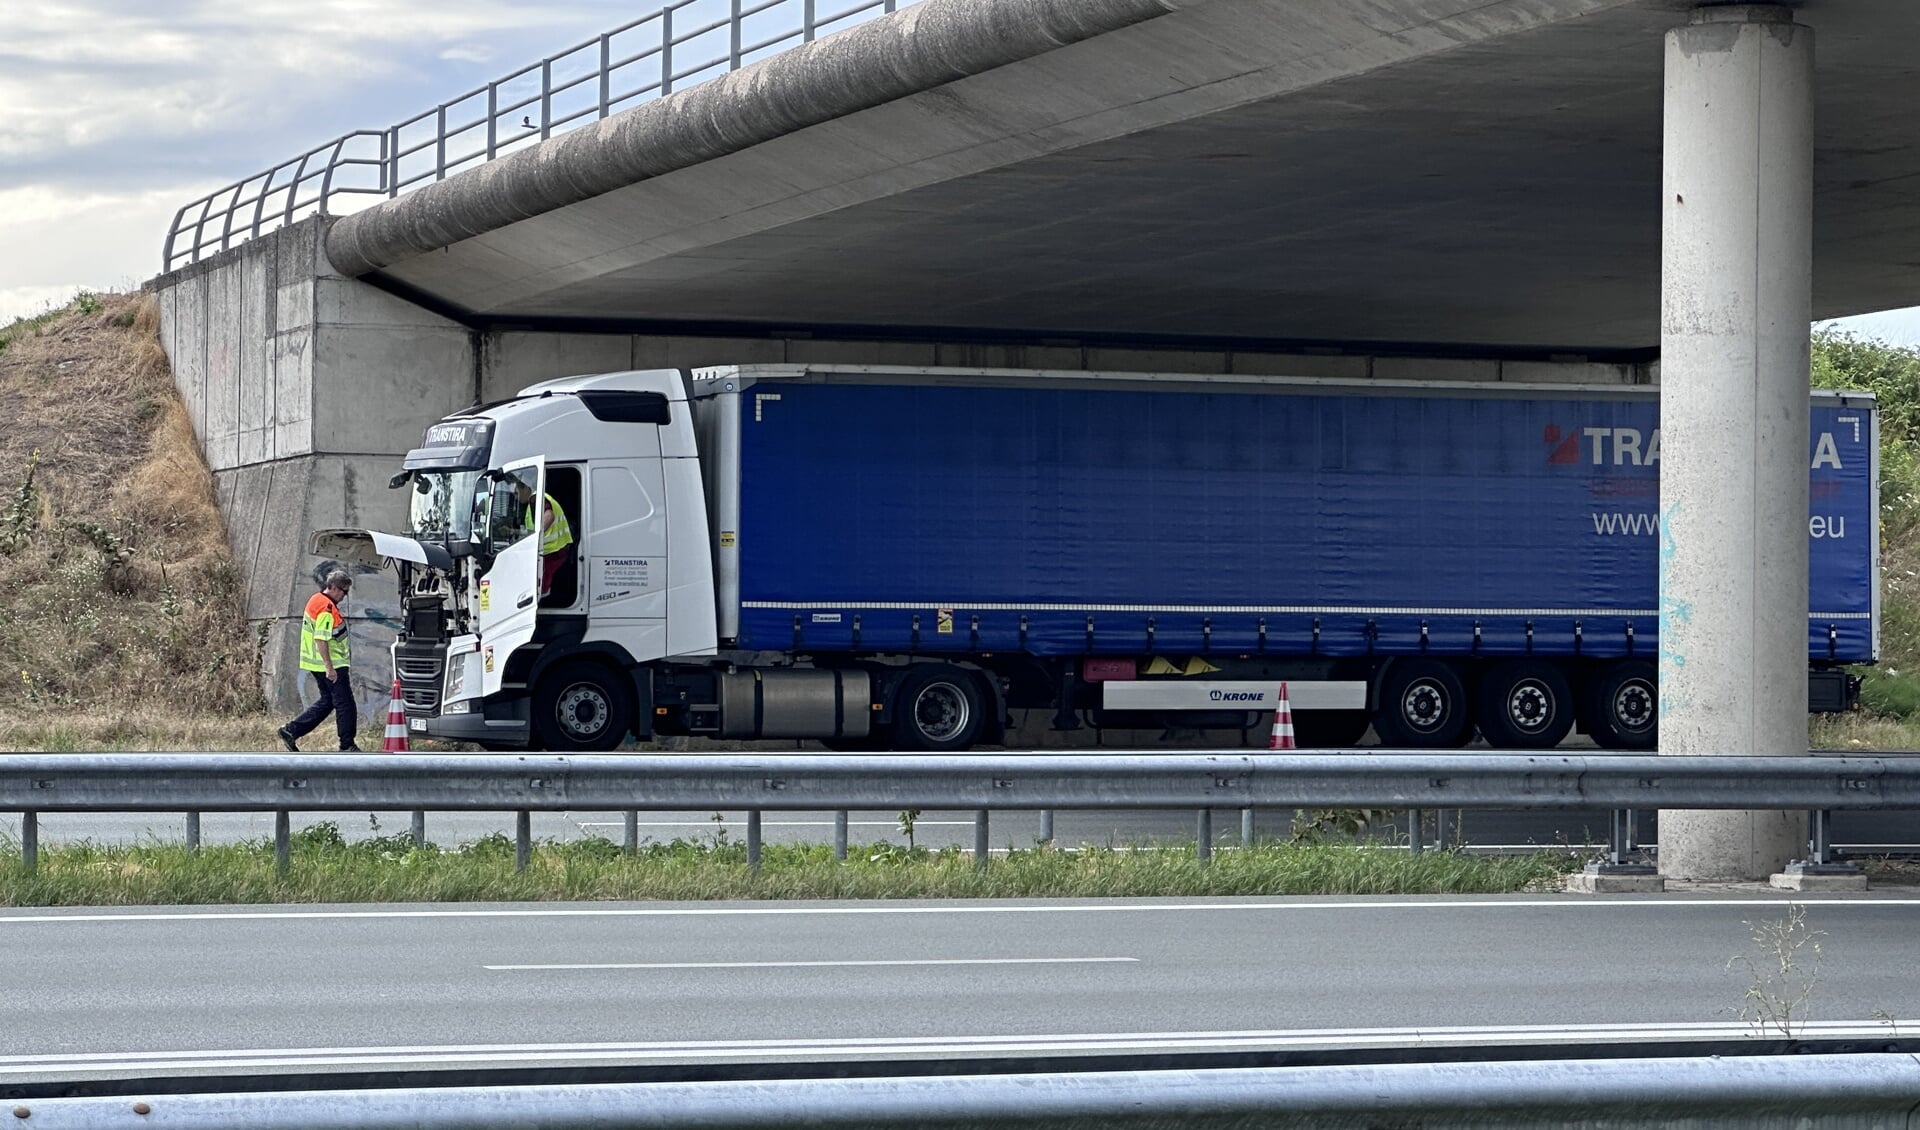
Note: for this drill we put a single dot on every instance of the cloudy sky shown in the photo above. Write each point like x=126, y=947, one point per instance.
x=115, y=113
x=118, y=112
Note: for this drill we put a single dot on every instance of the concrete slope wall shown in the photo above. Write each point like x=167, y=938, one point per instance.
x=307, y=387
x=303, y=387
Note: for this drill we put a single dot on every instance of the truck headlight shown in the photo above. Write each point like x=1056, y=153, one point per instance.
x=456, y=679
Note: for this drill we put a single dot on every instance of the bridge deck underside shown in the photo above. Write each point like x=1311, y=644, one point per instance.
x=1255, y=170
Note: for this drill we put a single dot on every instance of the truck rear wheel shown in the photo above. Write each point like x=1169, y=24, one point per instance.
x=940, y=708
x=1525, y=704
x=1423, y=705
x=580, y=707
x=1624, y=707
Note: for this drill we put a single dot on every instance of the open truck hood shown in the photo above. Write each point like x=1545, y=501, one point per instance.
x=375, y=549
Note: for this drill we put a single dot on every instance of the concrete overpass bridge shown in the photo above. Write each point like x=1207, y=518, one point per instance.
x=1444, y=189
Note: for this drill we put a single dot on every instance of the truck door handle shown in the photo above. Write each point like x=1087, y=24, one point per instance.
x=524, y=601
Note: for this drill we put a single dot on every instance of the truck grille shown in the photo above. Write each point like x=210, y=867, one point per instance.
x=420, y=670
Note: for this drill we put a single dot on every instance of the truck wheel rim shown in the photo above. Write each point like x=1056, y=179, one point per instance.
x=941, y=711
x=1530, y=707
x=1633, y=705
x=582, y=710
x=1424, y=706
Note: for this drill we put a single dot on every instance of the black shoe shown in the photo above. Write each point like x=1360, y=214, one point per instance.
x=286, y=739
x=351, y=747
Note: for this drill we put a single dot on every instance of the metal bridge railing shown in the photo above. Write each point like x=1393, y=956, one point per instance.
x=31, y=784
x=682, y=44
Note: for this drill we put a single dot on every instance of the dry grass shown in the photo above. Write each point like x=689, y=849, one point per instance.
x=142, y=730
x=118, y=595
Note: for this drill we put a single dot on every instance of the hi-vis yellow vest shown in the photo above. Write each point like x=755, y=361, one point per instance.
x=321, y=626
x=559, y=535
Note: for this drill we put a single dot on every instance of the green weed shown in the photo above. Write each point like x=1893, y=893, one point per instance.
x=324, y=867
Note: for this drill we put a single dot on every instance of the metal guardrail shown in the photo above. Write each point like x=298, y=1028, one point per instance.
x=1811, y=1091
x=193, y=783
x=684, y=43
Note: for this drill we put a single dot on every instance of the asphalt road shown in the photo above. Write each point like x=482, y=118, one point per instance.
x=207, y=991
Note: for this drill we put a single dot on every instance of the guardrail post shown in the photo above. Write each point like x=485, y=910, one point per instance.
x=1416, y=831
x=1439, y=829
x=419, y=830
x=806, y=21
x=753, y=840
x=631, y=831
x=1246, y=827
x=30, y=840
x=840, y=835
x=980, y=838
x=522, y=839
x=282, y=840
x=1614, y=874
x=733, y=44
x=193, y=832
x=1046, y=825
x=440, y=144
x=1820, y=837
x=1203, y=834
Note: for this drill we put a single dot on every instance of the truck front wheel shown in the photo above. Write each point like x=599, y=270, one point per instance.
x=940, y=708
x=1423, y=705
x=581, y=707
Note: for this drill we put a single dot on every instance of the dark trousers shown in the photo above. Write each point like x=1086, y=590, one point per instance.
x=336, y=698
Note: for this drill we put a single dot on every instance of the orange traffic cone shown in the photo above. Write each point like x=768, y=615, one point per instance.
x=1282, y=723
x=396, y=741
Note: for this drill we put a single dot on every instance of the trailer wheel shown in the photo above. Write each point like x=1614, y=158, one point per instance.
x=1423, y=705
x=580, y=707
x=1624, y=710
x=1525, y=704
x=940, y=708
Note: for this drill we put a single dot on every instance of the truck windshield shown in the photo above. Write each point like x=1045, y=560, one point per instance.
x=442, y=508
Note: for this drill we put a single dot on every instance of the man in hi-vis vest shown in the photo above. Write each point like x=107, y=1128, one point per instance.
x=556, y=537
x=323, y=651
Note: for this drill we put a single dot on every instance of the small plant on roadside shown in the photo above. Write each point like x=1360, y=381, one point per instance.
x=908, y=817
x=22, y=514
x=1325, y=824
x=1783, y=967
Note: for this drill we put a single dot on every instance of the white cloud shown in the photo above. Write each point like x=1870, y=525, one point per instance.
x=118, y=112
x=170, y=73
x=58, y=242
x=27, y=301
x=1897, y=327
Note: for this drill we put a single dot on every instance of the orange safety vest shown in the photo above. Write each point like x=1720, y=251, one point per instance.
x=321, y=625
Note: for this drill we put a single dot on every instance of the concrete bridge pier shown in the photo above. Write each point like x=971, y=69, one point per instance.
x=1735, y=304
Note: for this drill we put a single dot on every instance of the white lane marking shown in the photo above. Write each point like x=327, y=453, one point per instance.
x=826, y=964
x=896, y=1046
x=1659, y=902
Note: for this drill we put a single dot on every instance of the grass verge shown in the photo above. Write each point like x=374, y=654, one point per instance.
x=324, y=869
